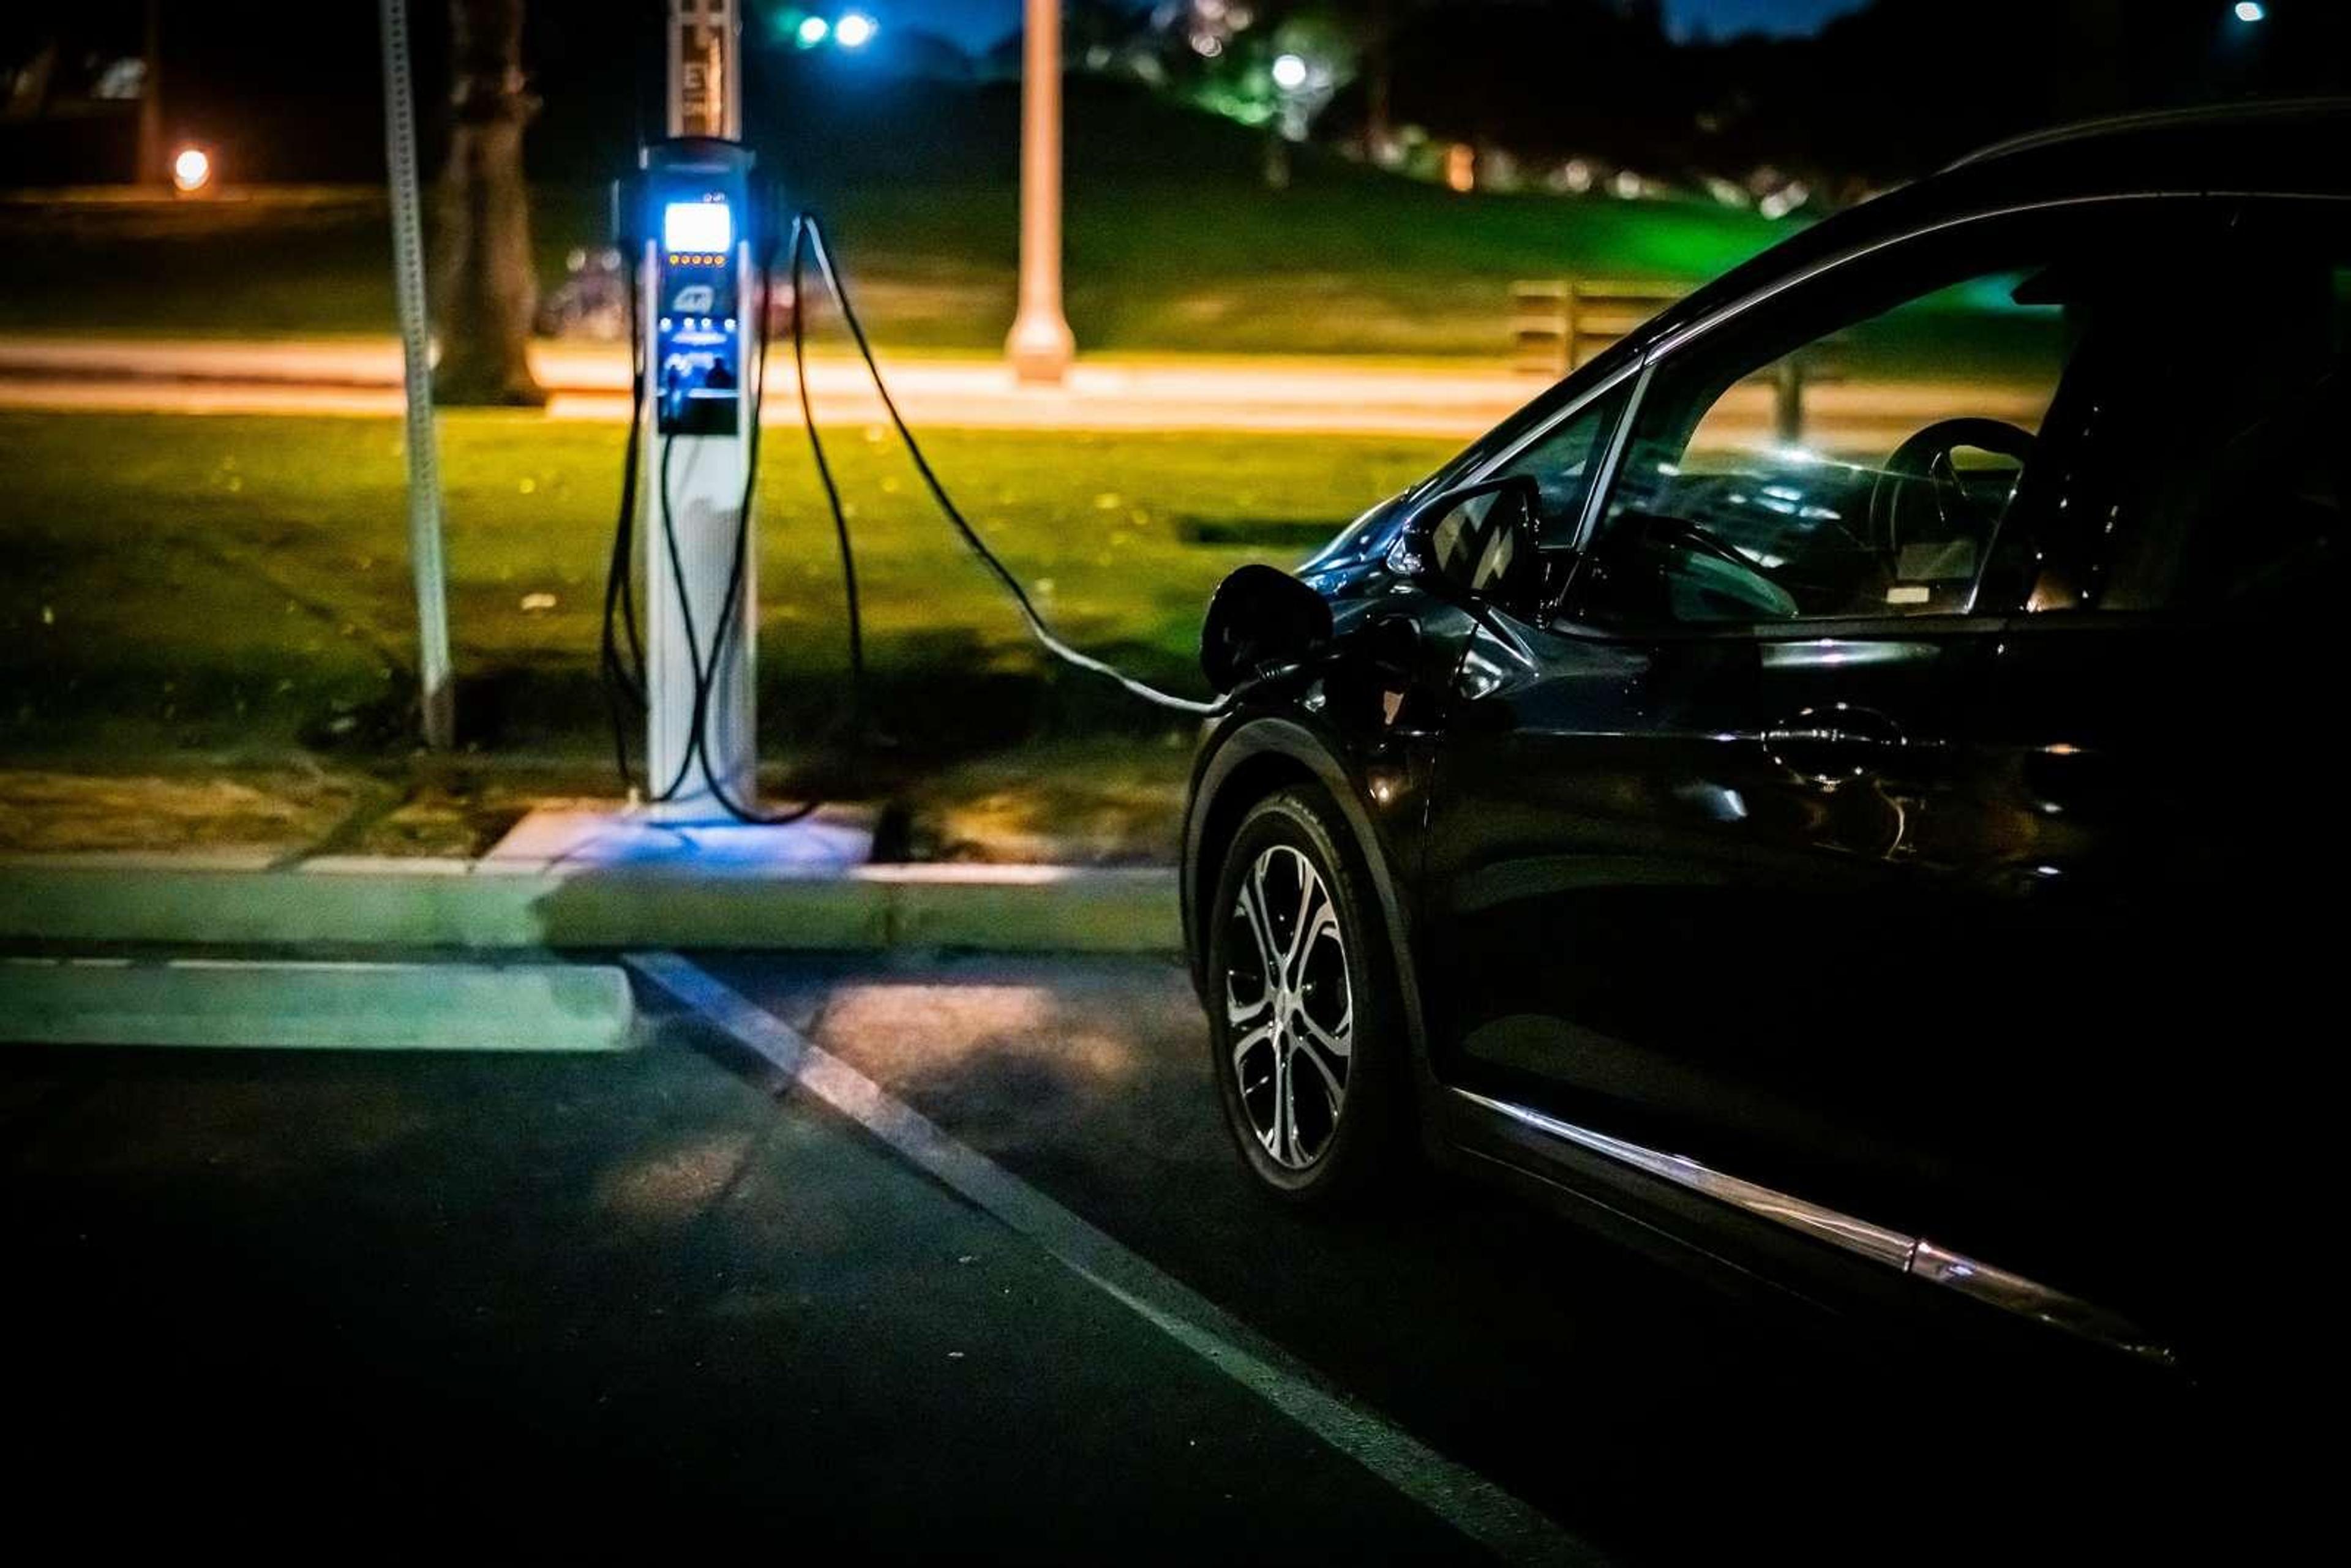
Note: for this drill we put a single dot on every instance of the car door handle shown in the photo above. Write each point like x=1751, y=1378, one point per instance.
x=1831, y=744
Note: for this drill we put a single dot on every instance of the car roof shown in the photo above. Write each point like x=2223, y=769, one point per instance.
x=2263, y=138
x=2278, y=148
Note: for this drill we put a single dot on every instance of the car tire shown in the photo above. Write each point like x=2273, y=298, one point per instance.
x=1316, y=1125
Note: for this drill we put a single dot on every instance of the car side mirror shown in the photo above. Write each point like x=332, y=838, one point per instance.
x=1260, y=616
x=1476, y=541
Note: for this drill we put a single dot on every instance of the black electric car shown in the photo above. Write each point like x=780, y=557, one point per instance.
x=1847, y=782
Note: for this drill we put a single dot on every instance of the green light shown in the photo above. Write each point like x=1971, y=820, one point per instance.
x=812, y=31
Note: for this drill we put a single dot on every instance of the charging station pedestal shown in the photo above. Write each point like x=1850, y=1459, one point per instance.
x=695, y=313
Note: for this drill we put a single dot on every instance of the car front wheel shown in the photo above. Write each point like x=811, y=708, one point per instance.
x=1305, y=1033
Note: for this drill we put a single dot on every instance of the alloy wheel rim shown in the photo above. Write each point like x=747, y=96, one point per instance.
x=1290, y=1007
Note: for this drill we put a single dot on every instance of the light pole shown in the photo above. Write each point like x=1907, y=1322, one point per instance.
x=2242, y=44
x=1041, y=345
x=1301, y=87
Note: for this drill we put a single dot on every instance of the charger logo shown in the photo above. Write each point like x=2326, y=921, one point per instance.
x=696, y=299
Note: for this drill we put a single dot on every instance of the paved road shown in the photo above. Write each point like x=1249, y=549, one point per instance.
x=555, y=1298
x=343, y=1300
x=1331, y=396
x=1665, y=1417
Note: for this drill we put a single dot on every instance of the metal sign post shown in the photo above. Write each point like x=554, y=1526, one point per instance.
x=436, y=687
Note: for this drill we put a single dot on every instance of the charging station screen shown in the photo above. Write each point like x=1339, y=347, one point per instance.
x=697, y=226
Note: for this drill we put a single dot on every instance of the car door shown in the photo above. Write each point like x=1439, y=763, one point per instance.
x=1686, y=887
x=2157, y=765
x=1705, y=845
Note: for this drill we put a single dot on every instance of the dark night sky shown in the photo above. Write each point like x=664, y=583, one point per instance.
x=1725, y=18
x=976, y=23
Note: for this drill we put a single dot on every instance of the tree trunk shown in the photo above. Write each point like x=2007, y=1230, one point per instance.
x=1379, y=128
x=153, y=164
x=483, y=290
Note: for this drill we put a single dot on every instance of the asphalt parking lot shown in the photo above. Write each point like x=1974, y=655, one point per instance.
x=667, y=1293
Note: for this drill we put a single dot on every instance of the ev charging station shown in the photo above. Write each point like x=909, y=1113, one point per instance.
x=701, y=243
x=694, y=228
x=698, y=294
x=704, y=247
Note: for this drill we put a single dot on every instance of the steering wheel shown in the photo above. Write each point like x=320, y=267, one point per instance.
x=1927, y=456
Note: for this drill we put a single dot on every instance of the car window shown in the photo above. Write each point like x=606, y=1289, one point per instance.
x=1564, y=461
x=1863, y=445
x=1863, y=470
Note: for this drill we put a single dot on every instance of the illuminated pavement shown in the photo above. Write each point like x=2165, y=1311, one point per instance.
x=1328, y=396
x=590, y=381
x=554, y=1299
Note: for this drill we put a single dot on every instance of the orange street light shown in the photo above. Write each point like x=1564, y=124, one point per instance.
x=191, y=170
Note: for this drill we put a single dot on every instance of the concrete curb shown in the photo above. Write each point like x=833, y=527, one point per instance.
x=482, y=906
x=314, y=1006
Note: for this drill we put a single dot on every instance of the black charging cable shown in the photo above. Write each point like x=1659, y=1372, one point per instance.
x=1043, y=633
x=803, y=234
x=621, y=656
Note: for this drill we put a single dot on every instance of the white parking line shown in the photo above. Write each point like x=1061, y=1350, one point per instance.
x=1465, y=1500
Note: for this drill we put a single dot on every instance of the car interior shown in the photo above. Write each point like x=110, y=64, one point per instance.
x=2146, y=421
x=1721, y=518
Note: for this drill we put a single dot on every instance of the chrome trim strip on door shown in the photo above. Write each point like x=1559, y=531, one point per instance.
x=1873, y=1242
x=1913, y=1255
x=2030, y=1299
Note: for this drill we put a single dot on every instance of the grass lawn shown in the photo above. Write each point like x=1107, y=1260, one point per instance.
x=1173, y=241
x=235, y=591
